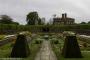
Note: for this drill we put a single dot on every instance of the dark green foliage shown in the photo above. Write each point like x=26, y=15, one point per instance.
x=45, y=29
x=71, y=48
x=39, y=21
x=56, y=42
x=21, y=48
x=83, y=23
x=33, y=18
x=84, y=29
x=38, y=41
x=46, y=38
x=5, y=19
x=88, y=22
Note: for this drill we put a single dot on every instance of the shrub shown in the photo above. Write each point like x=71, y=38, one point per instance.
x=38, y=41
x=71, y=48
x=56, y=42
x=21, y=48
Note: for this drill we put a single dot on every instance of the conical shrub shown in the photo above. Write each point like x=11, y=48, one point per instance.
x=71, y=48
x=21, y=48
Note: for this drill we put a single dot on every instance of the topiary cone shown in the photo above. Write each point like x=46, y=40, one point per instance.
x=71, y=48
x=21, y=48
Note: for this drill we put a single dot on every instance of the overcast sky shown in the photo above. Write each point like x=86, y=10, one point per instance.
x=18, y=9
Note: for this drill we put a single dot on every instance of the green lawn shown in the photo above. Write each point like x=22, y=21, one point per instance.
x=86, y=56
x=34, y=48
x=5, y=50
x=57, y=50
x=1, y=37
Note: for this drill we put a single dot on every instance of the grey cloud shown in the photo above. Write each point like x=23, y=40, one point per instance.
x=18, y=9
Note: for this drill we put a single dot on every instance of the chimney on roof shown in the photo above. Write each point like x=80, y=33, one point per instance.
x=65, y=15
x=62, y=15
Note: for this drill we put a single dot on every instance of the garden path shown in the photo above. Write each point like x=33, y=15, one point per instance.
x=46, y=52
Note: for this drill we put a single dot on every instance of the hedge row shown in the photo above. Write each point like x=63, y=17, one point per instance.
x=39, y=28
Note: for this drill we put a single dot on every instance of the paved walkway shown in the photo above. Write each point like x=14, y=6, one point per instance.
x=46, y=52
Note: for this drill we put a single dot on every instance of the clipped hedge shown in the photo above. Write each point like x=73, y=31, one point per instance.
x=71, y=48
x=12, y=28
x=21, y=48
x=38, y=41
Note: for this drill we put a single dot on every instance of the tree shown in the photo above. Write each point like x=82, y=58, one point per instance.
x=32, y=18
x=39, y=21
x=5, y=19
x=83, y=23
x=88, y=22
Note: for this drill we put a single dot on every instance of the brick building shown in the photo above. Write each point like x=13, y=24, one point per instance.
x=64, y=20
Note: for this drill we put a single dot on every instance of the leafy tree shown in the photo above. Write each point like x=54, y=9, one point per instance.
x=83, y=23
x=39, y=21
x=32, y=18
x=5, y=19
x=89, y=22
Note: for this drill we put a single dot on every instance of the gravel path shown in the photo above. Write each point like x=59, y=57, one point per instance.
x=46, y=52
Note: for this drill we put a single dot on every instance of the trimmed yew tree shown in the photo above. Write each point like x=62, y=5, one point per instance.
x=71, y=48
x=21, y=48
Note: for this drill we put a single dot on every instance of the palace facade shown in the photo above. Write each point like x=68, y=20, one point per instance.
x=64, y=20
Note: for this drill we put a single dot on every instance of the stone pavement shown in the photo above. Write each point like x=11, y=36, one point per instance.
x=46, y=52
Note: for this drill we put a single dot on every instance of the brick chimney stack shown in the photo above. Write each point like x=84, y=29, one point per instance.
x=62, y=15
x=65, y=15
